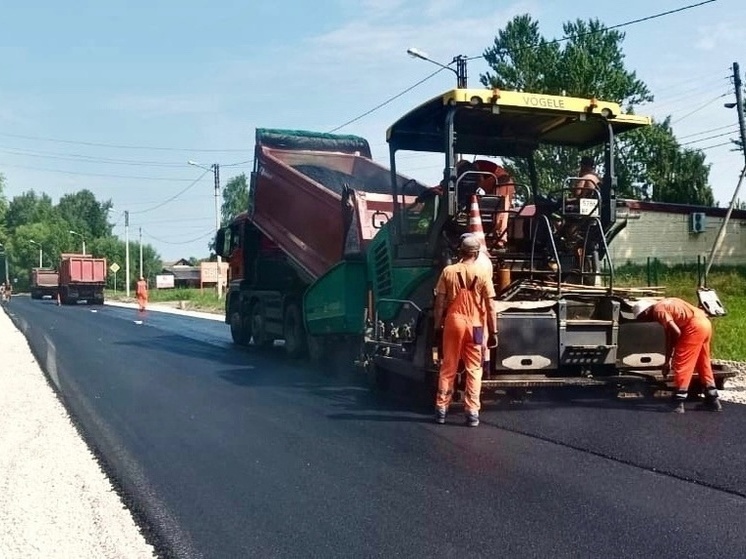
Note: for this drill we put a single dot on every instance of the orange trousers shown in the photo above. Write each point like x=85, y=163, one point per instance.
x=692, y=351
x=458, y=345
x=142, y=301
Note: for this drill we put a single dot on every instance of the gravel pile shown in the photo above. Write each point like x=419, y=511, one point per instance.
x=735, y=387
x=55, y=501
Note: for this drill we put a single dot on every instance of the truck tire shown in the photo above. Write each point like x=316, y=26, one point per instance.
x=294, y=331
x=239, y=331
x=258, y=326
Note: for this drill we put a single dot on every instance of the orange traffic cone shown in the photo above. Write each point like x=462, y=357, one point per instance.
x=476, y=229
x=475, y=222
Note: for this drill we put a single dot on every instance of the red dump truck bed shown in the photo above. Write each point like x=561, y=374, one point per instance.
x=44, y=277
x=79, y=269
x=318, y=197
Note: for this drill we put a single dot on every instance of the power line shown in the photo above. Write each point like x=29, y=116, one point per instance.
x=387, y=101
x=118, y=146
x=203, y=236
x=85, y=158
x=707, y=138
x=715, y=146
x=707, y=104
x=733, y=126
x=174, y=197
x=617, y=26
x=104, y=175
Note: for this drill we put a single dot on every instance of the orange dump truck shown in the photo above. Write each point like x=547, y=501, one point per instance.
x=81, y=277
x=44, y=282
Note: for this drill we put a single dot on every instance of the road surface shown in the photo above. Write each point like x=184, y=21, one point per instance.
x=222, y=452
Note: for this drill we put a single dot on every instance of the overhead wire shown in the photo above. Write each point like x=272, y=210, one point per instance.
x=569, y=37
x=103, y=175
x=703, y=106
x=119, y=146
x=175, y=196
x=186, y=242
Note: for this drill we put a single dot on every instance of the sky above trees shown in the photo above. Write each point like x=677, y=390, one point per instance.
x=126, y=80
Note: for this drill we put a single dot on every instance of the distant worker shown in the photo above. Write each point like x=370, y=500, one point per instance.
x=688, y=336
x=588, y=180
x=498, y=183
x=463, y=297
x=141, y=292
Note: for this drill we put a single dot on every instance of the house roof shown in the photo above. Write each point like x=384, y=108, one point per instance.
x=665, y=207
x=179, y=262
x=191, y=273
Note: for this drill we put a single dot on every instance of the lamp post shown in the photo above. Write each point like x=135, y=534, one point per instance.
x=41, y=253
x=81, y=237
x=215, y=169
x=5, y=254
x=459, y=61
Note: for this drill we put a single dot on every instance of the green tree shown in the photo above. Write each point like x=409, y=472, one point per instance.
x=28, y=207
x=114, y=250
x=235, y=198
x=85, y=214
x=590, y=63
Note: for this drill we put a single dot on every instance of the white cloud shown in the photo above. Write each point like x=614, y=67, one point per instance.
x=721, y=35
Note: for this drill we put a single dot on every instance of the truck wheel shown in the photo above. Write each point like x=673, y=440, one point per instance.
x=294, y=331
x=240, y=334
x=258, y=326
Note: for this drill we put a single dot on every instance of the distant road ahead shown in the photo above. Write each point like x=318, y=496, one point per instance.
x=225, y=453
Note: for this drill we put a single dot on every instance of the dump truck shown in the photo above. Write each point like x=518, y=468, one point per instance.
x=44, y=282
x=341, y=278
x=316, y=200
x=81, y=277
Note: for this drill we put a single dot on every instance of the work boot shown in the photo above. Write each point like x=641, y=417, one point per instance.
x=678, y=407
x=440, y=415
x=710, y=405
x=472, y=418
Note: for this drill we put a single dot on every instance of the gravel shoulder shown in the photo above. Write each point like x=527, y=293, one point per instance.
x=55, y=500
x=735, y=387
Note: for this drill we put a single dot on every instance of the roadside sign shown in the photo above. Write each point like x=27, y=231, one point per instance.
x=114, y=267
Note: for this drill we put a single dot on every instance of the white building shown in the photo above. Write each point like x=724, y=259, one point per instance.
x=676, y=234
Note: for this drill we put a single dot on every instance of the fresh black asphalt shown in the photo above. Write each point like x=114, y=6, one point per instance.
x=225, y=452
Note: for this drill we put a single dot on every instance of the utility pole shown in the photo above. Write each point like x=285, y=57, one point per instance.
x=142, y=275
x=216, y=175
x=127, y=252
x=742, y=127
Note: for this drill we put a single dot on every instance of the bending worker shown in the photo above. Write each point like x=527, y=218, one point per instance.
x=464, y=296
x=688, y=335
x=142, y=293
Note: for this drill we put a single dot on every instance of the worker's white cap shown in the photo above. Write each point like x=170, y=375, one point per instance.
x=641, y=306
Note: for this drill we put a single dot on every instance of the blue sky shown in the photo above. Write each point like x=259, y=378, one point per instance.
x=168, y=81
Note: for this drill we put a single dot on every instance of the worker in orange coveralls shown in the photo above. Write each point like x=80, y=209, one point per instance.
x=688, y=335
x=463, y=296
x=142, y=293
x=499, y=184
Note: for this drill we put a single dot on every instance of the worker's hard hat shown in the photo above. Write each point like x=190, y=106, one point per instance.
x=641, y=306
x=470, y=243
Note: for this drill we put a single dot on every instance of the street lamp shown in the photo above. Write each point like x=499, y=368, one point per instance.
x=215, y=170
x=459, y=61
x=81, y=237
x=41, y=253
x=5, y=253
